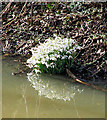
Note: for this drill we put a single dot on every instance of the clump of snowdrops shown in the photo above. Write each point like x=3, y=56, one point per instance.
x=54, y=55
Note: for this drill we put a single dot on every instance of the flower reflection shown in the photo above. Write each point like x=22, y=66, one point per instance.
x=51, y=87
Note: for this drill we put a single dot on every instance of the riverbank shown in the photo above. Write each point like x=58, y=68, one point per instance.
x=27, y=24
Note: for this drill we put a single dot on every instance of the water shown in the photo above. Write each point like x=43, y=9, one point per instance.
x=27, y=96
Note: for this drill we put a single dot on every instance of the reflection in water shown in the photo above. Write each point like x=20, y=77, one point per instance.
x=20, y=100
x=23, y=87
x=53, y=88
x=57, y=89
x=37, y=107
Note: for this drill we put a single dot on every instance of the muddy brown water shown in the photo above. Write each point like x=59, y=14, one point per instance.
x=28, y=96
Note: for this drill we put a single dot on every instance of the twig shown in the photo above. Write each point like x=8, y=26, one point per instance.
x=16, y=16
x=21, y=46
x=31, y=13
x=88, y=64
x=98, y=69
x=5, y=9
x=21, y=71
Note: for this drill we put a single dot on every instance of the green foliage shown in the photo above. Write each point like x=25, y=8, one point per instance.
x=51, y=5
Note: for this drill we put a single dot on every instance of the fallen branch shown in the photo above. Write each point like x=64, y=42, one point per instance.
x=78, y=80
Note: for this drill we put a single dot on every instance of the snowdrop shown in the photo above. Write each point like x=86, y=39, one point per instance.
x=50, y=54
x=37, y=71
x=68, y=52
x=70, y=57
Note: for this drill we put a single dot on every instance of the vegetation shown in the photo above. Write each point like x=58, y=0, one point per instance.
x=54, y=56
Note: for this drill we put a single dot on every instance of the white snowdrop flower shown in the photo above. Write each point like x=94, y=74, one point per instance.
x=74, y=48
x=55, y=55
x=33, y=52
x=33, y=61
x=65, y=39
x=52, y=58
x=37, y=61
x=61, y=49
x=47, y=65
x=30, y=65
x=43, y=62
x=29, y=60
x=70, y=57
x=55, y=35
x=35, y=66
x=63, y=58
x=47, y=58
x=68, y=52
x=52, y=63
x=64, y=48
x=72, y=40
x=58, y=56
x=37, y=71
x=78, y=47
